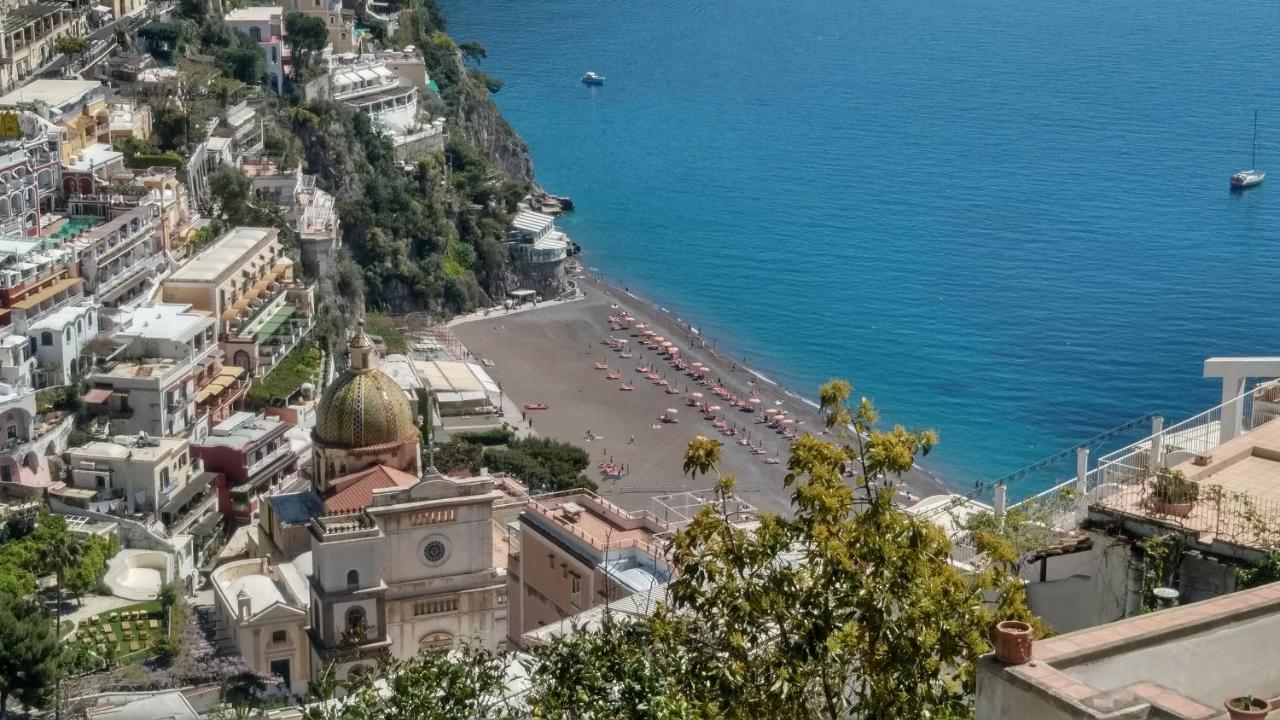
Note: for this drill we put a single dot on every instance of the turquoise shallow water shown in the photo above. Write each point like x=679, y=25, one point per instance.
x=1006, y=220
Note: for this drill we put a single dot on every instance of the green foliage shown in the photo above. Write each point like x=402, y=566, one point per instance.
x=491, y=83
x=230, y=188
x=300, y=366
x=162, y=38
x=64, y=398
x=71, y=44
x=143, y=161
x=418, y=242
x=1173, y=487
x=379, y=324
x=848, y=608
x=469, y=683
x=473, y=51
x=458, y=454
x=85, y=576
x=29, y=653
x=543, y=464
x=492, y=436
x=1262, y=572
x=307, y=37
x=242, y=59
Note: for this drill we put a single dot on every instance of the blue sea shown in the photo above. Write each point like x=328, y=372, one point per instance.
x=1008, y=221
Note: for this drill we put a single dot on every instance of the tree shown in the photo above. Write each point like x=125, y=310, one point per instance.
x=58, y=552
x=230, y=188
x=473, y=51
x=459, y=455
x=29, y=653
x=161, y=37
x=307, y=37
x=467, y=683
x=71, y=45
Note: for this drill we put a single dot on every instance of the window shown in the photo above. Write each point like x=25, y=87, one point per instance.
x=279, y=637
x=355, y=620
x=575, y=591
x=353, y=579
x=255, y=32
x=437, y=641
x=274, y=57
x=46, y=338
x=101, y=481
x=67, y=334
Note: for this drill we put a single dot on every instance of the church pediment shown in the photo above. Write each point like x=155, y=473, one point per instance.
x=277, y=612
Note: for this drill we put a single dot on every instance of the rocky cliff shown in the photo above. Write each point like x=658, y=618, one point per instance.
x=482, y=123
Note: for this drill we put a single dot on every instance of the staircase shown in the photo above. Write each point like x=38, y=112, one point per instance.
x=216, y=631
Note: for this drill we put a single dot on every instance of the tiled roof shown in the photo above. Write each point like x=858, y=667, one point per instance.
x=353, y=492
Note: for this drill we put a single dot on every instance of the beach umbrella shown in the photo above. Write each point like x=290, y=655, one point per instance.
x=658, y=338
x=754, y=401
x=667, y=343
x=695, y=395
x=623, y=341
x=672, y=411
x=714, y=408
x=788, y=421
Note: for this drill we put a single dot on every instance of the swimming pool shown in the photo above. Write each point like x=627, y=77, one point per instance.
x=73, y=226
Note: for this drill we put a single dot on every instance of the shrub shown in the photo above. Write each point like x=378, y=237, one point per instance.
x=1173, y=487
x=492, y=436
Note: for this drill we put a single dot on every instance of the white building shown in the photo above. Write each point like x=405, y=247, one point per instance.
x=264, y=23
x=151, y=383
x=27, y=36
x=264, y=610
x=541, y=249
x=386, y=89
x=30, y=173
x=121, y=256
x=58, y=339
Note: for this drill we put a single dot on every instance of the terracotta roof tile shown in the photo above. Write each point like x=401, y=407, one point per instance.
x=355, y=491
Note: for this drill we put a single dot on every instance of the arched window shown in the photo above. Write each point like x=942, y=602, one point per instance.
x=67, y=334
x=437, y=641
x=355, y=619
x=79, y=326
x=353, y=579
x=255, y=32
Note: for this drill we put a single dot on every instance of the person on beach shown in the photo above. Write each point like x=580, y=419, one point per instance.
x=632, y=441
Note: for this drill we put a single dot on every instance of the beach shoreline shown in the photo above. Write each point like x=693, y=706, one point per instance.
x=563, y=343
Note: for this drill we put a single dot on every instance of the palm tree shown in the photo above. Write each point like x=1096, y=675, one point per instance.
x=59, y=553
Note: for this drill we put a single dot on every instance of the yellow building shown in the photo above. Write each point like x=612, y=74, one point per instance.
x=245, y=280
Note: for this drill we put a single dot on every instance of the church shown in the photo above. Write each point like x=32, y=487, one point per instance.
x=399, y=560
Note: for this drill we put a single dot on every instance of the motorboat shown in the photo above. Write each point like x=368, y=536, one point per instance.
x=590, y=78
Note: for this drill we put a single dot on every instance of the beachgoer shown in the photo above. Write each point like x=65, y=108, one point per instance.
x=632, y=441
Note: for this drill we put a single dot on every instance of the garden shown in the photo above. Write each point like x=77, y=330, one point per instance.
x=128, y=633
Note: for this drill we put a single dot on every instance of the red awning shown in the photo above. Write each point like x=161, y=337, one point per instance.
x=97, y=396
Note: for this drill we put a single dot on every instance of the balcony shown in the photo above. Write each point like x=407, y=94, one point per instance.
x=109, y=289
x=1175, y=664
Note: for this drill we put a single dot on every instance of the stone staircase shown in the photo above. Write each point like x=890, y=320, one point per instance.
x=215, y=630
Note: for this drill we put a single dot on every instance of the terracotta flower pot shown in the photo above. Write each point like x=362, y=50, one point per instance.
x=1260, y=709
x=1013, y=642
x=1168, y=508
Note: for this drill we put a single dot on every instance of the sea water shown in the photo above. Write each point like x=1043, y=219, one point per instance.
x=1005, y=220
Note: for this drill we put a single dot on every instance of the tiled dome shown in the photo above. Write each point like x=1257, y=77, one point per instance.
x=364, y=407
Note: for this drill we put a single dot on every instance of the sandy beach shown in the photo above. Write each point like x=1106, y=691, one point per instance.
x=549, y=355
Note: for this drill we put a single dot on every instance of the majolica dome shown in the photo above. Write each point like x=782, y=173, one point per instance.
x=364, y=407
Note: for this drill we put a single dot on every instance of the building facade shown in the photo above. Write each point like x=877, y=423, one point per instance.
x=245, y=281
x=252, y=456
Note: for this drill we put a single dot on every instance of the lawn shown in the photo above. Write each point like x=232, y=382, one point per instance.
x=130, y=629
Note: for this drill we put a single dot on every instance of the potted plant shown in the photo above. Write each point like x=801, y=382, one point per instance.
x=1173, y=493
x=1245, y=707
x=1013, y=642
